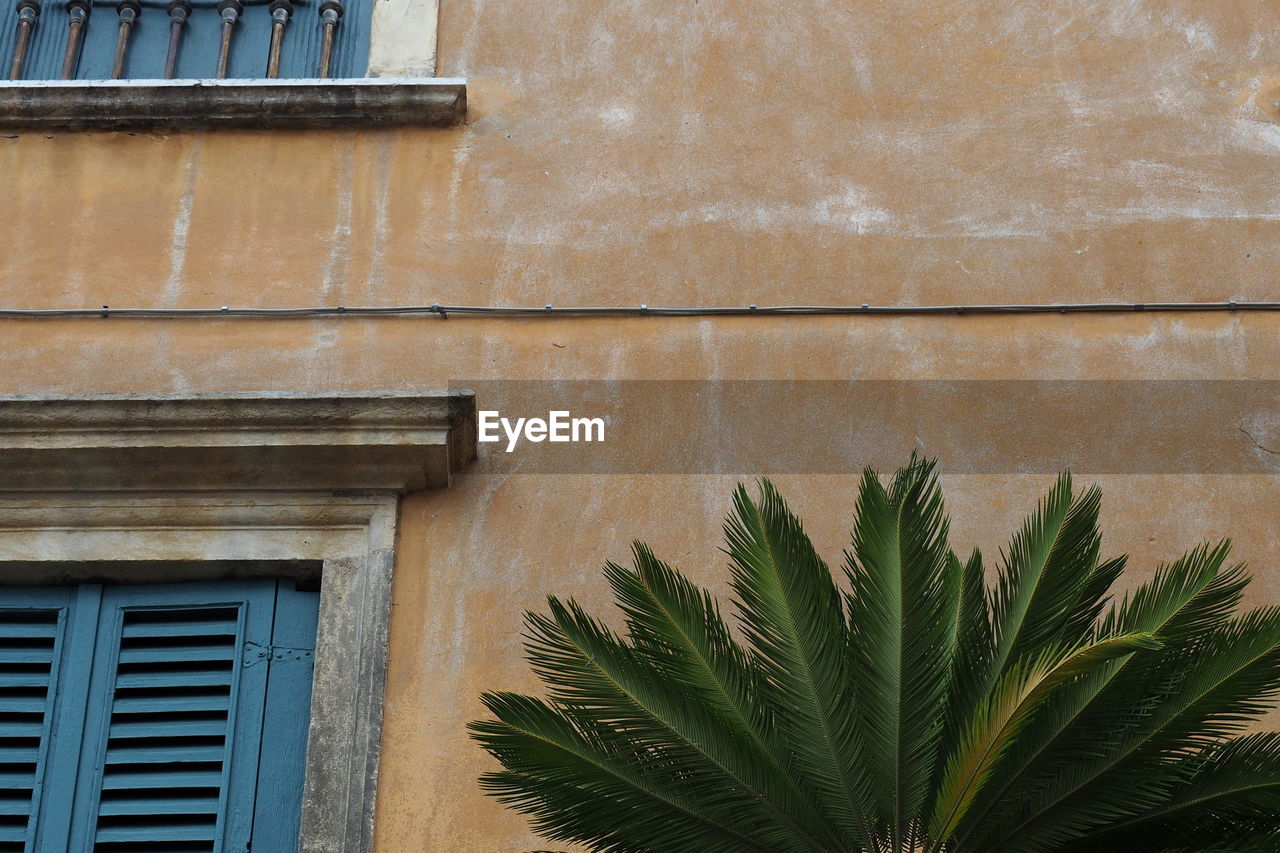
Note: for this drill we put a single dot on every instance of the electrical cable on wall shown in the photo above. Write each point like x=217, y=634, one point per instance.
x=645, y=310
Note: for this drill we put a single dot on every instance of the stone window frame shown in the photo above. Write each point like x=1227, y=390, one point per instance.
x=138, y=489
x=403, y=41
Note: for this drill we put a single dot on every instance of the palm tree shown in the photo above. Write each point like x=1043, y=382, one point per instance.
x=913, y=711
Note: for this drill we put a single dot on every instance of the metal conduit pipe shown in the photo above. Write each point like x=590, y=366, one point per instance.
x=444, y=311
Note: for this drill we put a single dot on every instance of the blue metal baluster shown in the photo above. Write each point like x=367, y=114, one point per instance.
x=128, y=10
x=77, y=18
x=330, y=14
x=28, y=11
x=281, y=11
x=230, y=10
x=179, y=11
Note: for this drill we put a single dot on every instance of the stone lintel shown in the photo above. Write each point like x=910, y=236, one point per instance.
x=295, y=442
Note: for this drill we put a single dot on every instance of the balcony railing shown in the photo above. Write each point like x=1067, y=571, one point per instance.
x=168, y=39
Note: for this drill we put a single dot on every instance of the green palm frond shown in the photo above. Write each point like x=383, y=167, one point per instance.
x=1230, y=795
x=1006, y=711
x=1046, y=580
x=791, y=613
x=902, y=639
x=1182, y=599
x=916, y=710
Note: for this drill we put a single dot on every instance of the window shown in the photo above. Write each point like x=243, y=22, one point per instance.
x=154, y=39
x=135, y=490
x=154, y=718
x=258, y=64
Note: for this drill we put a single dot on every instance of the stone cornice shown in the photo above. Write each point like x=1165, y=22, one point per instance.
x=294, y=442
x=255, y=104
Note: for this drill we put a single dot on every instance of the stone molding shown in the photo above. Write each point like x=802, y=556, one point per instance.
x=397, y=442
x=255, y=104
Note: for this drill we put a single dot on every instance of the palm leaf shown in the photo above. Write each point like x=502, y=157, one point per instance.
x=603, y=681
x=1182, y=600
x=973, y=644
x=1046, y=574
x=904, y=634
x=585, y=791
x=1004, y=714
x=1230, y=792
x=791, y=614
x=1207, y=692
x=678, y=627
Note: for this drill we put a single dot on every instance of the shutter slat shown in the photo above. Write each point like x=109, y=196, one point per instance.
x=171, y=704
x=165, y=755
x=164, y=779
x=17, y=781
x=197, y=627
x=169, y=729
x=17, y=704
x=24, y=679
x=47, y=629
x=19, y=754
x=174, y=679
x=23, y=654
x=16, y=806
x=162, y=654
x=28, y=727
x=155, y=806
x=193, y=831
x=13, y=833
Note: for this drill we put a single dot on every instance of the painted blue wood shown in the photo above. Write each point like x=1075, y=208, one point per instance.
x=71, y=688
x=248, y=698
x=282, y=765
x=128, y=798
x=33, y=625
x=148, y=44
x=146, y=708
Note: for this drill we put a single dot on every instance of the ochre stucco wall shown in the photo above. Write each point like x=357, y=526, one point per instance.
x=683, y=153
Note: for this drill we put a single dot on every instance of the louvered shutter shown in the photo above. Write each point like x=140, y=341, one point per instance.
x=32, y=626
x=159, y=743
x=176, y=706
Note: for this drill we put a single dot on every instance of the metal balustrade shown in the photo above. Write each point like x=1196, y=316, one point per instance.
x=168, y=39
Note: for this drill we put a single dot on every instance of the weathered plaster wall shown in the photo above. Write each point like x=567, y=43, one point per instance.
x=697, y=152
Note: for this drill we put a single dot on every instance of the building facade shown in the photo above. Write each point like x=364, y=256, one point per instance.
x=704, y=154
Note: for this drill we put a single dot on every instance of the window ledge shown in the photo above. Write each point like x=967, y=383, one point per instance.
x=262, y=104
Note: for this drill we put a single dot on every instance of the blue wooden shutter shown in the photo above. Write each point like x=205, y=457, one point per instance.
x=278, y=805
x=146, y=707
x=173, y=732
x=32, y=627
